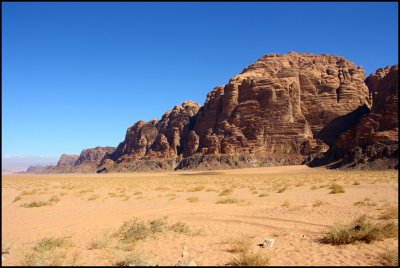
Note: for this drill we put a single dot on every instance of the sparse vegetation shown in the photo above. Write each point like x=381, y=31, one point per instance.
x=54, y=199
x=390, y=213
x=318, y=203
x=246, y=257
x=365, y=202
x=135, y=259
x=17, y=198
x=47, y=252
x=36, y=204
x=226, y=192
x=390, y=258
x=336, y=189
x=229, y=201
x=93, y=197
x=286, y=203
x=263, y=195
x=135, y=229
x=362, y=229
x=282, y=189
x=197, y=188
x=356, y=183
x=192, y=199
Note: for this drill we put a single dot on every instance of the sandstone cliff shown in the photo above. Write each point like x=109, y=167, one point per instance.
x=276, y=112
x=87, y=161
x=372, y=142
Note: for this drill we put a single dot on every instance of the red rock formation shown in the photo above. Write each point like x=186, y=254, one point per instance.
x=67, y=160
x=275, y=109
x=373, y=140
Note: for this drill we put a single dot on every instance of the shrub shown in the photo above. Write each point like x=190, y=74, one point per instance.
x=17, y=198
x=197, y=188
x=365, y=202
x=263, y=195
x=133, y=230
x=49, y=243
x=54, y=199
x=229, y=201
x=179, y=227
x=390, y=213
x=356, y=183
x=248, y=258
x=192, y=199
x=318, y=203
x=281, y=190
x=286, y=203
x=239, y=245
x=336, y=189
x=362, y=229
x=135, y=259
x=390, y=258
x=226, y=192
x=35, y=204
x=93, y=197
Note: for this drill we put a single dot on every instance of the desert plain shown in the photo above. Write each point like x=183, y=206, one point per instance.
x=212, y=217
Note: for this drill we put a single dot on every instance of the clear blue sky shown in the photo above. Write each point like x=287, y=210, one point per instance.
x=77, y=75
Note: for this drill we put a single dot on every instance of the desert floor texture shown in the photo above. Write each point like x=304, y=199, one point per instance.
x=211, y=216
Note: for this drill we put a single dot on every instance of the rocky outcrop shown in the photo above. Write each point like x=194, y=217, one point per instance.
x=282, y=110
x=277, y=111
x=372, y=141
x=67, y=160
x=86, y=162
x=93, y=156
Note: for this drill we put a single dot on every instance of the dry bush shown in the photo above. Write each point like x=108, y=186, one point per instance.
x=362, y=229
x=47, y=252
x=286, y=203
x=135, y=229
x=356, y=183
x=226, y=192
x=229, y=201
x=263, y=195
x=54, y=199
x=36, y=204
x=135, y=259
x=196, y=188
x=93, y=197
x=248, y=258
x=239, y=245
x=336, y=189
x=390, y=213
x=31, y=192
x=17, y=198
x=318, y=203
x=313, y=187
x=365, y=202
x=137, y=193
x=390, y=258
x=282, y=189
x=102, y=242
x=192, y=199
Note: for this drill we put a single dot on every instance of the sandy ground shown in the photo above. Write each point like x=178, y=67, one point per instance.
x=278, y=202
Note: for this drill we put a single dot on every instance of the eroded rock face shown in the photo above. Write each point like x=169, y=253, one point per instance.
x=93, y=156
x=372, y=142
x=67, y=160
x=158, y=139
x=276, y=109
x=280, y=104
x=86, y=162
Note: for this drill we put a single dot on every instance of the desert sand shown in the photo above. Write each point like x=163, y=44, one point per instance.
x=291, y=204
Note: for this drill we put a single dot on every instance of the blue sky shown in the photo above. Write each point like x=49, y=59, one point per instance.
x=77, y=75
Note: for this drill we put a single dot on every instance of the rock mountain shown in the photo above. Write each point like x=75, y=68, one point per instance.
x=282, y=110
